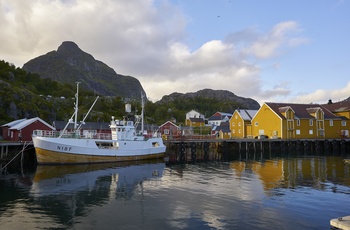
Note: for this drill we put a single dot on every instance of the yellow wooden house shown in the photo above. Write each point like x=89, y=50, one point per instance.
x=342, y=110
x=297, y=121
x=195, y=122
x=240, y=123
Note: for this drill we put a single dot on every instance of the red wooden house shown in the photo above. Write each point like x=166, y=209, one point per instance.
x=22, y=130
x=169, y=130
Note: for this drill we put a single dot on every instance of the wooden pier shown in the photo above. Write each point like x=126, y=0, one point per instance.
x=197, y=150
x=182, y=151
x=19, y=154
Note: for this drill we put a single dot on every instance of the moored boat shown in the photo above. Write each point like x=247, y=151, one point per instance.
x=122, y=144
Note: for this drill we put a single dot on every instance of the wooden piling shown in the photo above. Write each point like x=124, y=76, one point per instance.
x=203, y=150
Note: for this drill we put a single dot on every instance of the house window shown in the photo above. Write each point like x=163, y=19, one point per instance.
x=311, y=122
x=256, y=123
x=297, y=132
x=345, y=133
x=166, y=131
x=343, y=123
x=311, y=132
x=298, y=122
x=330, y=122
x=239, y=131
x=233, y=124
x=239, y=123
x=233, y=131
x=236, y=116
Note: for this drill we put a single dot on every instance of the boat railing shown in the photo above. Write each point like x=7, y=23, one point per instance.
x=56, y=134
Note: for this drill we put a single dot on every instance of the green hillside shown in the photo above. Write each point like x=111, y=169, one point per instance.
x=27, y=95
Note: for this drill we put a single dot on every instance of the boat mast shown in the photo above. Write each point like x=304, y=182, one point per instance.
x=76, y=107
x=75, y=114
x=142, y=106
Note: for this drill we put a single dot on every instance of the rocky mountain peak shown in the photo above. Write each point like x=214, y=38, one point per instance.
x=70, y=64
x=68, y=47
x=221, y=95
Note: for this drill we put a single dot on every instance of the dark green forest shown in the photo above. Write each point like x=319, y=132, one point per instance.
x=27, y=95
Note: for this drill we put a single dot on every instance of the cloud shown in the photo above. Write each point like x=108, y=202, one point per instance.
x=322, y=96
x=282, y=35
x=145, y=39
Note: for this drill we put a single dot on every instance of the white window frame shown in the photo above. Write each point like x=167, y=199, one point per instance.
x=343, y=123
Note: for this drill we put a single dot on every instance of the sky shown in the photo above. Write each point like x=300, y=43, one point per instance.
x=291, y=51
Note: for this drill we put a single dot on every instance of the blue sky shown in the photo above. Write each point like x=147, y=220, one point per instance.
x=277, y=51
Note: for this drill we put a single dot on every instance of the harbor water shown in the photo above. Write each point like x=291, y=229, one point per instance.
x=299, y=191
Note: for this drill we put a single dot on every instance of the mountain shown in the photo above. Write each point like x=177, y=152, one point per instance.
x=69, y=64
x=225, y=97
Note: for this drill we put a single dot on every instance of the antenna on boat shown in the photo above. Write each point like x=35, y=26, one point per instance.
x=76, y=106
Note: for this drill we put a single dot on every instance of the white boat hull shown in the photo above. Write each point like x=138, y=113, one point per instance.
x=71, y=151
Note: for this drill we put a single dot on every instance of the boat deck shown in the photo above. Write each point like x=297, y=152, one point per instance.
x=341, y=223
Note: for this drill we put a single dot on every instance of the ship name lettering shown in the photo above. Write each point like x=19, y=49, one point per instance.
x=64, y=148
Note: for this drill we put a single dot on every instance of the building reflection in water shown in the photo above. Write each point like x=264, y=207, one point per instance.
x=311, y=171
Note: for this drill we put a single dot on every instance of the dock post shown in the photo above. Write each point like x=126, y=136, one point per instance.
x=4, y=151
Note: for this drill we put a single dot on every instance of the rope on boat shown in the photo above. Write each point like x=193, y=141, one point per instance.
x=24, y=147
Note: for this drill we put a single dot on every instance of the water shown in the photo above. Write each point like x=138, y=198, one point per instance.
x=302, y=192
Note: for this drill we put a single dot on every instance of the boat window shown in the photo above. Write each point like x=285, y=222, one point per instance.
x=104, y=145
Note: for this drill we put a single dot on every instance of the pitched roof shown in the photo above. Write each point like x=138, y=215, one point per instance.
x=169, y=122
x=220, y=118
x=338, y=106
x=247, y=114
x=224, y=127
x=12, y=123
x=25, y=122
x=301, y=111
x=196, y=119
x=222, y=114
x=88, y=125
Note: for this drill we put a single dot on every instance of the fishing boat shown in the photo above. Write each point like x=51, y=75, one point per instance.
x=123, y=143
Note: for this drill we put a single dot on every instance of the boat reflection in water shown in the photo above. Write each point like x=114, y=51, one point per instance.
x=110, y=180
